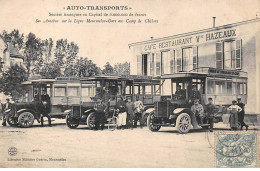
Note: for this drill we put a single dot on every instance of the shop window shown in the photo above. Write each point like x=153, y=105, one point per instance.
x=240, y=88
x=152, y=64
x=165, y=62
x=172, y=57
x=178, y=60
x=73, y=91
x=187, y=59
x=139, y=65
x=234, y=90
x=245, y=88
x=59, y=91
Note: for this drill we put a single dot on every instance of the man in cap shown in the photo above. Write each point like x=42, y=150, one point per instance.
x=6, y=107
x=241, y=114
x=181, y=93
x=210, y=110
x=198, y=110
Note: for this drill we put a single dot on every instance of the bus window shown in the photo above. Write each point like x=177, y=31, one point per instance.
x=229, y=87
x=240, y=88
x=73, y=91
x=157, y=89
x=220, y=87
x=210, y=87
x=148, y=89
x=86, y=91
x=128, y=90
x=137, y=89
x=59, y=91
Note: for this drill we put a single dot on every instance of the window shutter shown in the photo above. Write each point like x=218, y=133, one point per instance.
x=172, y=61
x=178, y=60
x=238, y=54
x=195, y=57
x=219, y=55
x=139, y=65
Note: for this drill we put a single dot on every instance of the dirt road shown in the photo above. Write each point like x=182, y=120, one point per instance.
x=59, y=146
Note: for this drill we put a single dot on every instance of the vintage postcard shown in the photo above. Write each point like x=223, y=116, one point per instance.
x=129, y=84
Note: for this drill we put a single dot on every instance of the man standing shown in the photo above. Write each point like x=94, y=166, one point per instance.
x=210, y=110
x=234, y=109
x=6, y=107
x=198, y=110
x=45, y=100
x=138, y=111
x=100, y=108
x=241, y=114
x=130, y=112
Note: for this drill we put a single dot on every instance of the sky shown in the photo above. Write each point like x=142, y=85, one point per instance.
x=109, y=42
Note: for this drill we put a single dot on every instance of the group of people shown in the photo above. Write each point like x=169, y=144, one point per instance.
x=129, y=113
x=206, y=115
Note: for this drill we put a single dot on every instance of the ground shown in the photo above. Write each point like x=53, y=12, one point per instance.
x=60, y=146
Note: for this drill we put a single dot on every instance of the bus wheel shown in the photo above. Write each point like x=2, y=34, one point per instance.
x=183, y=123
x=25, y=120
x=12, y=121
x=145, y=119
x=150, y=123
x=91, y=120
x=71, y=122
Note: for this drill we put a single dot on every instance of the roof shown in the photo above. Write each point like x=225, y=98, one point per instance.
x=14, y=53
x=40, y=81
x=195, y=32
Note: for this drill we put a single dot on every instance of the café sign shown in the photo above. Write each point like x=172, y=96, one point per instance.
x=191, y=40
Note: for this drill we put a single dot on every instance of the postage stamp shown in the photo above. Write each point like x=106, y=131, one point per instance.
x=236, y=149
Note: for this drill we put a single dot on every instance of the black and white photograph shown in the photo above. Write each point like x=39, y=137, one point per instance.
x=129, y=84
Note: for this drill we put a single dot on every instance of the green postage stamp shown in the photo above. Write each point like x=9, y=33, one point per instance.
x=236, y=149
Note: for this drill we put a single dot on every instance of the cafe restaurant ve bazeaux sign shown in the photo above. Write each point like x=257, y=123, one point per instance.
x=202, y=38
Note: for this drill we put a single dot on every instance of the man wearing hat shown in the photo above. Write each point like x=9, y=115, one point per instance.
x=198, y=110
x=7, y=106
x=210, y=110
x=241, y=114
x=234, y=109
x=194, y=94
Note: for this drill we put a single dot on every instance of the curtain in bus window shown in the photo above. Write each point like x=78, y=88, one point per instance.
x=238, y=56
x=220, y=87
x=139, y=65
x=239, y=88
x=86, y=91
x=219, y=56
x=229, y=87
x=178, y=60
x=158, y=63
x=148, y=89
x=195, y=57
x=187, y=59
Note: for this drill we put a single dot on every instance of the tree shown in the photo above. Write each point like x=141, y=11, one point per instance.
x=33, y=53
x=82, y=68
x=47, y=49
x=11, y=81
x=15, y=38
x=108, y=69
x=122, y=68
x=50, y=70
x=65, y=52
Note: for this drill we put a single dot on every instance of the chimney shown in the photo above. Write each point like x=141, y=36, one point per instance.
x=152, y=38
x=214, y=18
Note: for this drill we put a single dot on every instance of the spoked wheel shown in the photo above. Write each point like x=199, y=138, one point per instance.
x=12, y=121
x=71, y=122
x=183, y=123
x=112, y=123
x=150, y=123
x=91, y=120
x=26, y=119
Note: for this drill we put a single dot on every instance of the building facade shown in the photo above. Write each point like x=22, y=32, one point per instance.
x=230, y=47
